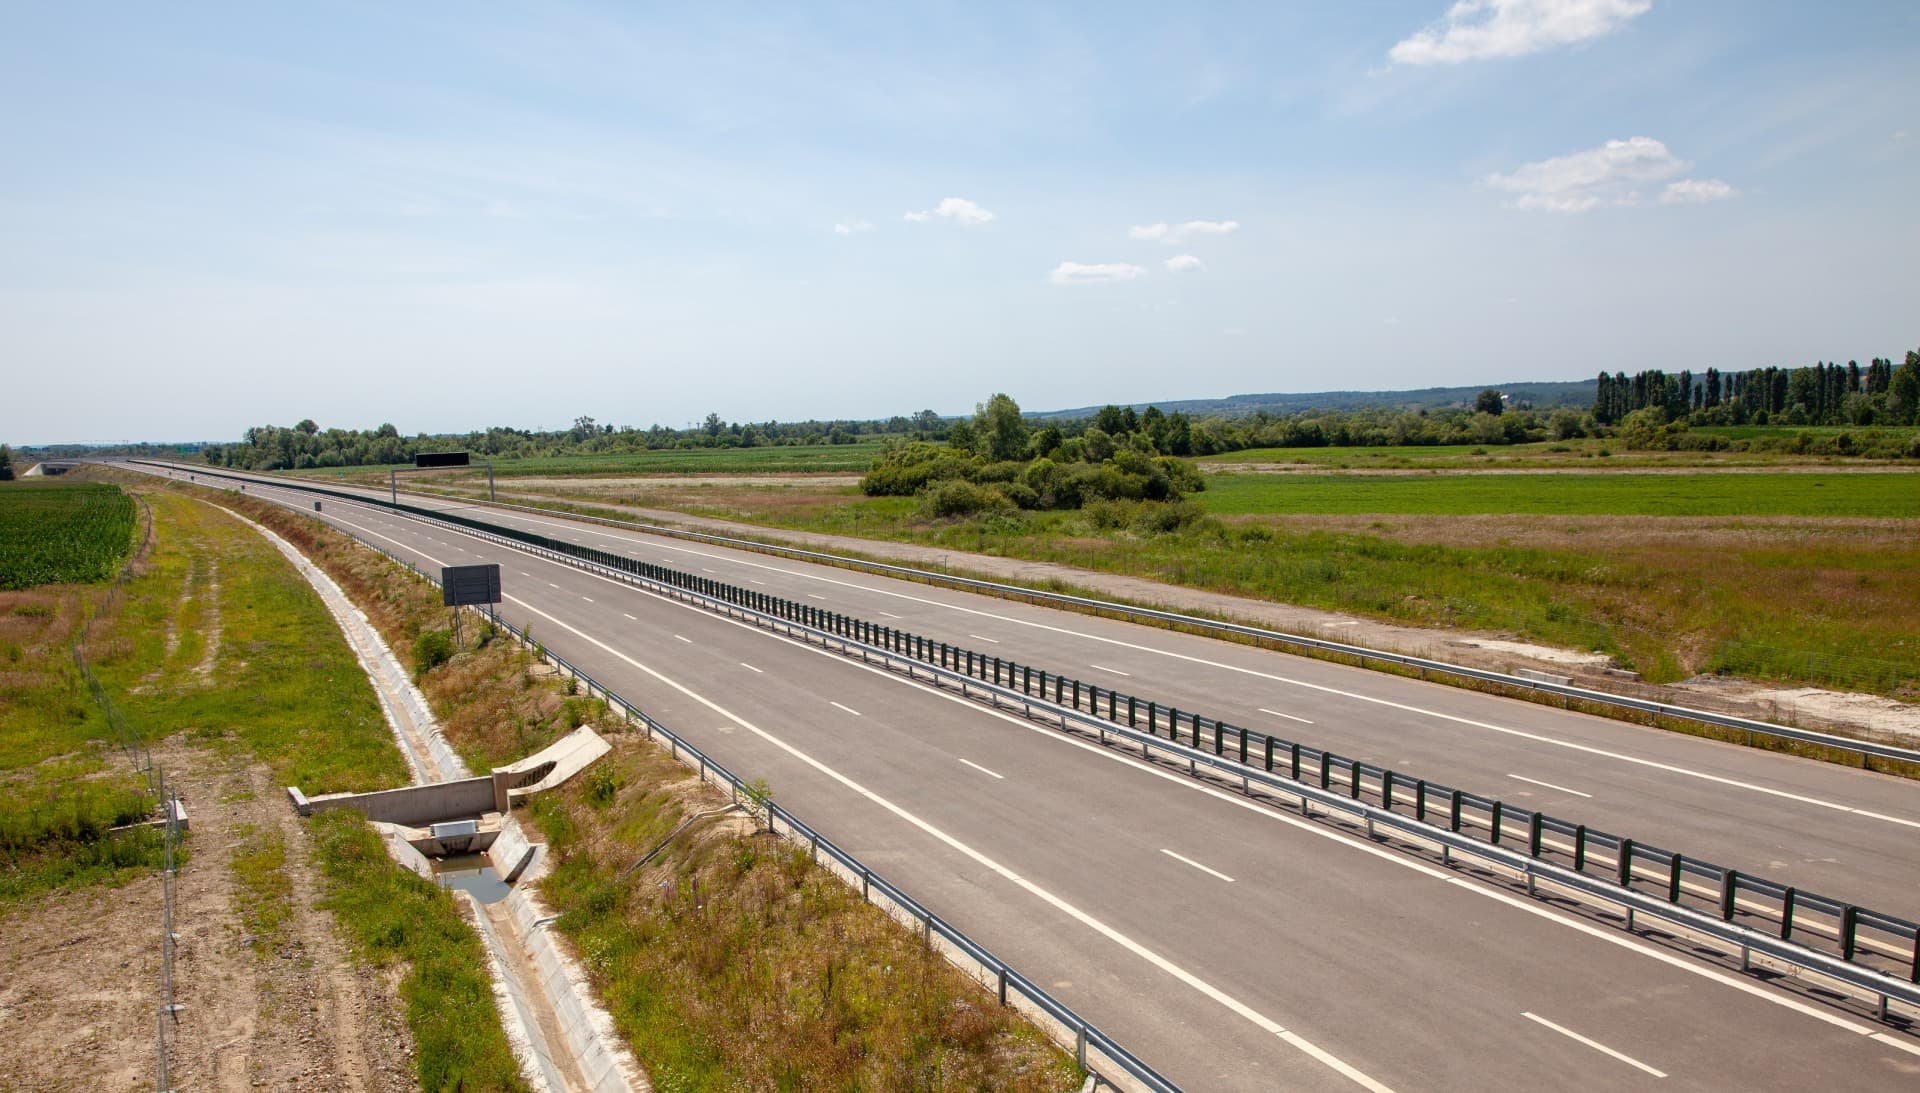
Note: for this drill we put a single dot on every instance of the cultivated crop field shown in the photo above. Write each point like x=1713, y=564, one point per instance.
x=62, y=532
x=1863, y=494
x=852, y=458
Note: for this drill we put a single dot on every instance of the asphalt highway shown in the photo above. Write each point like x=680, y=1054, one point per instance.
x=1232, y=945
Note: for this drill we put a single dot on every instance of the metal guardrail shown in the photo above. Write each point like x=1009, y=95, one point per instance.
x=1089, y=1043
x=1722, y=890
x=1866, y=749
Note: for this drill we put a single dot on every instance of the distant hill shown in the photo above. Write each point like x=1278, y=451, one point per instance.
x=1577, y=394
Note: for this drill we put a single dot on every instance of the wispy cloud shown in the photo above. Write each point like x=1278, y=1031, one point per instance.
x=1172, y=234
x=957, y=209
x=1611, y=175
x=852, y=227
x=1696, y=191
x=1474, y=30
x=1082, y=273
x=1184, y=263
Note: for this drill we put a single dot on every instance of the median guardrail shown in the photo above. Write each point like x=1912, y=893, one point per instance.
x=1093, y=1049
x=1618, y=869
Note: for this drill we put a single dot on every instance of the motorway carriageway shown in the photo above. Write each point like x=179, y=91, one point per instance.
x=1838, y=831
x=1231, y=945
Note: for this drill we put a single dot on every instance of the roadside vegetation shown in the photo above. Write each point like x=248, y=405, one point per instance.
x=731, y=961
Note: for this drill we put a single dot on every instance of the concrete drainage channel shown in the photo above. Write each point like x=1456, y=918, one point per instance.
x=563, y=1040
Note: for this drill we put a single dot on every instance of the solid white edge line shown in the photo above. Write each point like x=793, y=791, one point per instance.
x=1594, y=1044
x=1195, y=864
x=982, y=769
x=1611, y=937
x=849, y=709
x=1162, y=963
x=1115, y=671
x=1469, y=722
x=983, y=637
x=1549, y=785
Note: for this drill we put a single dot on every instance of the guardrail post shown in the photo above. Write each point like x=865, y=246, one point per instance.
x=1353, y=780
x=1453, y=813
x=1026, y=680
x=1624, y=863
x=1243, y=746
x=1386, y=790
x=1579, y=848
x=1729, y=885
x=1269, y=752
x=1153, y=718
x=1673, y=879
x=1849, y=929
x=1003, y=984
x=1059, y=689
x=1326, y=770
x=1420, y=800
x=1132, y=722
x=1787, y=900
x=1533, y=834
x=1498, y=808
x=1293, y=761
x=1113, y=699
x=1219, y=748
x=1076, y=694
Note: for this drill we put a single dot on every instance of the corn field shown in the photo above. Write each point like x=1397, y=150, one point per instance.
x=62, y=532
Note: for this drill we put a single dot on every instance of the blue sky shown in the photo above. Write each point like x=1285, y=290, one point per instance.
x=453, y=216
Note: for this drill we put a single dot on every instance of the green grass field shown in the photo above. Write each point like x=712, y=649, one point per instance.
x=1891, y=494
x=54, y=531
x=799, y=459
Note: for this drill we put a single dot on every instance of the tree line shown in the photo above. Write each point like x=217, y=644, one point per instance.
x=1820, y=394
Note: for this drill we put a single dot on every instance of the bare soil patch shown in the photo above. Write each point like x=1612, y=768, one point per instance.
x=80, y=975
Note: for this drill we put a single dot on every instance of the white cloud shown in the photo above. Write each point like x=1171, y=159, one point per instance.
x=1696, y=191
x=1184, y=263
x=1610, y=175
x=852, y=227
x=1081, y=273
x=1478, y=29
x=957, y=209
x=1179, y=233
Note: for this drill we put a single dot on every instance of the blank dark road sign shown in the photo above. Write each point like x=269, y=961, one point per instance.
x=469, y=584
x=440, y=459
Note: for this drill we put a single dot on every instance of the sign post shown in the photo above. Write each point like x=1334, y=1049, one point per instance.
x=468, y=585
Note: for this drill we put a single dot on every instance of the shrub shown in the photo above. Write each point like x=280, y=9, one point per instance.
x=430, y=650
x=957, y=497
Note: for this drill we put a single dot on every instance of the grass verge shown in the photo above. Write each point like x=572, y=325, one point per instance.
x=396, y=918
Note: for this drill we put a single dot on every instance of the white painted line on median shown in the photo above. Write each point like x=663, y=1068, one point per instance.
x=983, y=637
x=589, y=599
x=1115, y=671
x=1288, y=716
x=751, y=668
x=1240, y=1008
x=1526, y=906
x=1355, y=696
x=849, y=709
x=704, y=569
x=1549, y=785
x=1594, y=1044
x=1196, y=865
x=677, y=637
x=982, y=769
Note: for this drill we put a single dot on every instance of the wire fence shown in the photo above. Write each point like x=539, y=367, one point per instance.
x=172, y=823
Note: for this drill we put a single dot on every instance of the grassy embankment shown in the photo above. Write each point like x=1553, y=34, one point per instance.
x=732, y=961
x=1795, y=576
x=216, y=637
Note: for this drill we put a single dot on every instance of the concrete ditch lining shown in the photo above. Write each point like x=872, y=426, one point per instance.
x=578, y=1051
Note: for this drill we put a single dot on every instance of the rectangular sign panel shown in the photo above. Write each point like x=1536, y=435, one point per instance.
x=461, y=585
x=441, y=459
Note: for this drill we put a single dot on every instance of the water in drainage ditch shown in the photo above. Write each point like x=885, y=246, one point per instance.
x=471, y=873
